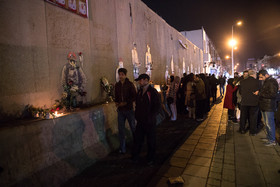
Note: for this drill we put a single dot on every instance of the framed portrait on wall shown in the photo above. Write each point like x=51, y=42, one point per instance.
x=83, y=7
x=72, y=5
x=79, y=7
x=61, y=2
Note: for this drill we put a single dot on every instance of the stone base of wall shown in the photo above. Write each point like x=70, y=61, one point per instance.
x=49, y=152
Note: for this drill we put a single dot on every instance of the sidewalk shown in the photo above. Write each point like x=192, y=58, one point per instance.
x=217, y=155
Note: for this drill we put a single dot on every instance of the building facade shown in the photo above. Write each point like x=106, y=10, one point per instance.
x=211, y=59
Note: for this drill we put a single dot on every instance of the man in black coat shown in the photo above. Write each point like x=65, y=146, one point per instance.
x=249, y=103
x=146, y=109
x=214, y=83
x=267, y=102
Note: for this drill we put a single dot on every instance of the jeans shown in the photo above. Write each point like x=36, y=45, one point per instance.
x=122, y=116
x=268, y=118
x=222, y=87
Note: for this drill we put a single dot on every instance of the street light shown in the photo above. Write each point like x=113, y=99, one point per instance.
x=233, y=43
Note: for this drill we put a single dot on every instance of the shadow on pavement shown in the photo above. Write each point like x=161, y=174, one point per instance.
x=118, y=169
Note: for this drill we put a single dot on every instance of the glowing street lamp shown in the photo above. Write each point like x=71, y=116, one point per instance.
x=233, y=43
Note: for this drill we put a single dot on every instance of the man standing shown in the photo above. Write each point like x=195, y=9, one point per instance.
x=147, y=107
x=249, y=103
x=213, y=84
x=222, y=82
x=125, y=94
x=267, y=103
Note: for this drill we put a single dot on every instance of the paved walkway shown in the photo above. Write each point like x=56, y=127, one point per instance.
x=217, y=155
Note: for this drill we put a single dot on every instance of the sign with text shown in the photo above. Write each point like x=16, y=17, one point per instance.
x=79, y=7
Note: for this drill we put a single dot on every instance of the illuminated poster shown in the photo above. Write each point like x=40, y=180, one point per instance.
x=83, y=8
x=79, y=7
x=61, y=2
x=72, y=5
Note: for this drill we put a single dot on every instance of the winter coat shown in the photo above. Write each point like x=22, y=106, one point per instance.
x=228, y=103
x=200, y=90
x=190, y=89
x=147, y=106
x=125, y=92
x=267, y=95
x=172, y=92
x=247, y=88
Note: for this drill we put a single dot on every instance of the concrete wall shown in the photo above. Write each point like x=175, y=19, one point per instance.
x=37, y=36
x=48, y=152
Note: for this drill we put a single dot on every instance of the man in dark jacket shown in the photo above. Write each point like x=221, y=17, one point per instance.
x=222, y=82
x=249, y=103
x=213, y=85
x=125, y=94
x=147, y=108
x=267, y=102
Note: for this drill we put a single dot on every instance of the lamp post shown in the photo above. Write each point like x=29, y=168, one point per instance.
x=233, y=43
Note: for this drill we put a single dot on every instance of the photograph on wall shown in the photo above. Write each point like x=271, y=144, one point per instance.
x=83, y=7
x=61, y=2
x=72, y=5
x=79, y=7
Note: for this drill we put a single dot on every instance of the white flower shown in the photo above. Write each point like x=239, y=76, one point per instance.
x=74, y=88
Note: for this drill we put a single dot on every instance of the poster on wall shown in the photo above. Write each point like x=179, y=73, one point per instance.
x=79, y=7
x=72, y=5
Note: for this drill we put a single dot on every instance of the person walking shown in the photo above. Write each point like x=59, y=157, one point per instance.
x=249, y=103
x=267, y=102
x=146, y=109
x=125, y=95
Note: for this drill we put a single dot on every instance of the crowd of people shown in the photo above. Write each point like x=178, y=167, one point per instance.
x=251, y=100
x=193, y=95
x=187, y=95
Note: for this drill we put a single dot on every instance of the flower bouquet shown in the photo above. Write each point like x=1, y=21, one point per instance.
x=108, y=88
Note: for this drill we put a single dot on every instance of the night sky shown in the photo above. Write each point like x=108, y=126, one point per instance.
x=259, y=34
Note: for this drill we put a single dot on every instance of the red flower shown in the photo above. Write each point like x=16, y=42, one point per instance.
x=80, y=53
x=57, y=108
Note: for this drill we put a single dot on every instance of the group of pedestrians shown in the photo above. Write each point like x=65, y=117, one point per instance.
x=147, y=105
x=254, y=95
x=193, y=92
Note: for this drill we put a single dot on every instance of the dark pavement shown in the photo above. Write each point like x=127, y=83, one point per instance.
x=119, y=170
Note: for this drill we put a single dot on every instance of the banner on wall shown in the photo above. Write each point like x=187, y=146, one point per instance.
x=79, y=7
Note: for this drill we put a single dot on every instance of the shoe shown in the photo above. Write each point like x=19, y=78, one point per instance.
x=199, y=119
x=135, y=160
x=269, y=144
x=264, y=139
x=151, y=163
x=122, y=152
x=241, y=131
x=235, y=121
